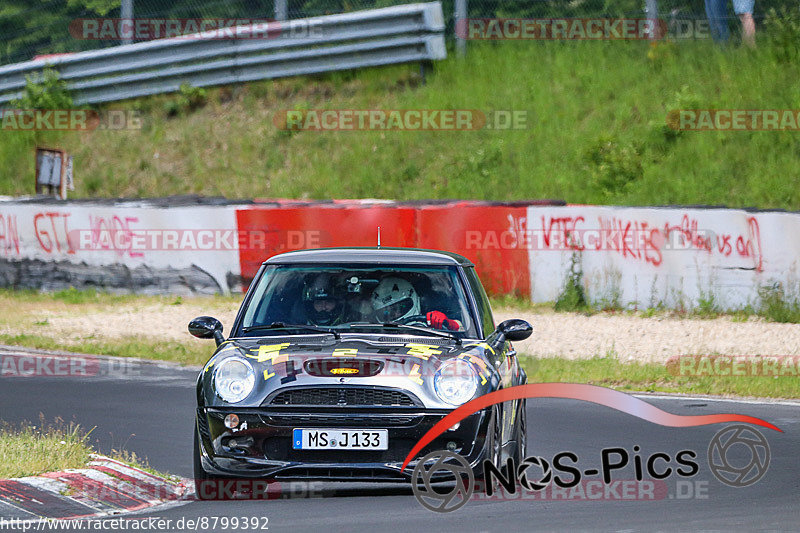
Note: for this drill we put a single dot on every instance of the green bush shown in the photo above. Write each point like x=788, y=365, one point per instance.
x=49, y=92
x=614, y=164
x=573, y=296
x=782, y=29
x=189, y=98
x=777, y=305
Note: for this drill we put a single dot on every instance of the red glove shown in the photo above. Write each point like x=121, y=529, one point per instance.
x=439, y=320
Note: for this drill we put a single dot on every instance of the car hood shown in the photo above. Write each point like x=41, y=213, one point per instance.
x=403, y=363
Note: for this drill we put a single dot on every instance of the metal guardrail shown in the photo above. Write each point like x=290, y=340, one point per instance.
x=399, y=34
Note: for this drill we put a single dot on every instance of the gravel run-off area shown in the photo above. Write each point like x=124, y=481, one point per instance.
x=572, y=335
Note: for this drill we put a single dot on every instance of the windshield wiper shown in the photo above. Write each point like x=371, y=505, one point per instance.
x=281, y=325
x=428, y=331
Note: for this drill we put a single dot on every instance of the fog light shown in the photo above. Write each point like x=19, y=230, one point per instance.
x=231, y=421
x=451, y=446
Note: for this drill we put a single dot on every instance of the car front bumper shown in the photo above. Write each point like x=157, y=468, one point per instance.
x=261, y=445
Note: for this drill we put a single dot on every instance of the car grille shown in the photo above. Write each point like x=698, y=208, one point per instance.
x=348, y=421
x=341, y=474
x=343, y=396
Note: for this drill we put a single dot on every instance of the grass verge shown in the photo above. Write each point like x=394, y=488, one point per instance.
x=28, y=450
x=650, y=377
x=773, y=308
x=131, y=459
x=177, y=352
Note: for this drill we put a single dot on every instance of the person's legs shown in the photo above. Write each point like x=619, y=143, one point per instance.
x=716, y=11
x=744, y=8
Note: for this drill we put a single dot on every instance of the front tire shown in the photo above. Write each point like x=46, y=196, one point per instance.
x=494, y=444
x=202, y=481
x=522, y=434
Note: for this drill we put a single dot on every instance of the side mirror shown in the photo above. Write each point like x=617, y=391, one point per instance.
x=515, y=329
x=207, y=327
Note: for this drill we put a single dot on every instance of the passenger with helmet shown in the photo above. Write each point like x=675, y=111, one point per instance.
x=322, y=305
x=395, y=300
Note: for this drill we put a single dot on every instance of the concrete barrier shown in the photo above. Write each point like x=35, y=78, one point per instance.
x=118, y=247
x=629, y=256
x=673, y=257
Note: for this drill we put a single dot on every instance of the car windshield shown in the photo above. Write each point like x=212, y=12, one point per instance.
x=358, y=299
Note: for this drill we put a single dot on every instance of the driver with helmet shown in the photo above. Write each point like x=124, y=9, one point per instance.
x=395, y=300
x=322, y=305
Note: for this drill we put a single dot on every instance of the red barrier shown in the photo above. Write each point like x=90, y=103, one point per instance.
x=492, y=237
x=280, y=229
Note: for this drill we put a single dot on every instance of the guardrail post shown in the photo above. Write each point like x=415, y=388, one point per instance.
x=126, y=13
x=651, y=7
x=281, y=10
x=460, y=25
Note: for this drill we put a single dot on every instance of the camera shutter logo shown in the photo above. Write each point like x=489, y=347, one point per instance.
x=525, y=481
x=442, y=461
x=732, y=441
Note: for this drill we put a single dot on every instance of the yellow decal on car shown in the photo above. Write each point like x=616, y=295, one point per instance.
x=219, y=352
x=271, y=353
x=423, y=351
x=415, y=375
x=483, y=345
x=475, y=360
x=345, y=352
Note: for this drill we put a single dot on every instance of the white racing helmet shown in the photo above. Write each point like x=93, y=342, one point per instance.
x=394, y=299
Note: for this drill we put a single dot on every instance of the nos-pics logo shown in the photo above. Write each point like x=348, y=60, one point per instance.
x=738, y=456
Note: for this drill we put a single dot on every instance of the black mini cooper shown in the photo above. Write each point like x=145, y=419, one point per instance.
x=339, y=360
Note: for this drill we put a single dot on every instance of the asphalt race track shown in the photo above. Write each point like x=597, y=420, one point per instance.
x=148, y=409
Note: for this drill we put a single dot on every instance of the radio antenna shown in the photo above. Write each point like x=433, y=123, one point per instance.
x=379, y=236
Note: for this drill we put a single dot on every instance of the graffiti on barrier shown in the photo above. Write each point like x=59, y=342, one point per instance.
x=9, y=234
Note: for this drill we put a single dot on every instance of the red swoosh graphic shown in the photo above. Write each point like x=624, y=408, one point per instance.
x=587, y=393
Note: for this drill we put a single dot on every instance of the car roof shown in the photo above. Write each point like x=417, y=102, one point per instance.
x=401, y=256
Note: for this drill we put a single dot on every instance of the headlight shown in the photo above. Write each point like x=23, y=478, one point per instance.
x=455, y=382
x=234, y=379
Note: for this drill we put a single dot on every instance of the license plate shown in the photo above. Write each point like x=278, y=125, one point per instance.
x=340, y=439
